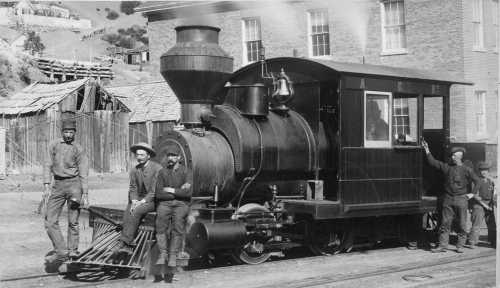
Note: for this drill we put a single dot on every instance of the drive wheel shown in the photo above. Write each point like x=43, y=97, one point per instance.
x=326, y=241
x=252, y=252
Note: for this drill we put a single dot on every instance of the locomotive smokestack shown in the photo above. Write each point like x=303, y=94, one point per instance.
x=193, y=68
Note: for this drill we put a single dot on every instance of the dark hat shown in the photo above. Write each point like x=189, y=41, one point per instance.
x=482, y=165
x=172, y=152
x=457, y=149
x=143, y=146
x=69, y=124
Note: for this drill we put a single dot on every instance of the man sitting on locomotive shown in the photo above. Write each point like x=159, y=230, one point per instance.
x=173, y=196
x=457, y=178
x=141, y=195
x=481, y=205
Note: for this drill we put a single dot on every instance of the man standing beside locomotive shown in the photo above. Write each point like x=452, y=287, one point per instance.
x=68, y=166
x=455, y=201
x=173, y=195
x=482, y=207
x=141, y=195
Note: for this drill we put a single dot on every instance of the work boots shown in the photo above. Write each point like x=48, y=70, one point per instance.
x=161, y=241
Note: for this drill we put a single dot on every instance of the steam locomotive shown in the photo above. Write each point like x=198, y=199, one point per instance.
x=285, y=149
x=289, y=152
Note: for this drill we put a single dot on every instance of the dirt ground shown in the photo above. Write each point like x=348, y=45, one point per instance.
x=25, y=243
x=22, y=234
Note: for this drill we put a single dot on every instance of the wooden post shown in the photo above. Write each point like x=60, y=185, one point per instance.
x=3, y=164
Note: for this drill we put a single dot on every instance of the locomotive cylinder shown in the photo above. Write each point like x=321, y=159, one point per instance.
x=196, y=58
x=216, y=235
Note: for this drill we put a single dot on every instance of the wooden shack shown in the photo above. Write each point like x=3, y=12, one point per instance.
x=155, y=109
x=32, y=121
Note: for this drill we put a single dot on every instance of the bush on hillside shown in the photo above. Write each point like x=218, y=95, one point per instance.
x=127, y=7
x=127, y=38
x=112, y=15
x=33, y=44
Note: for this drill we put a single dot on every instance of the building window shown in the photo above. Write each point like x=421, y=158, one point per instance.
x=252, y=41
x=393, y=26
x=477, y=23
x=377, y=119
x=480, y=107
x=495, y=23
x=319, y=33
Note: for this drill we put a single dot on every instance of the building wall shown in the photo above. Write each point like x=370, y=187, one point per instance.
x=7, y=17
x=481, y=67
x=439, y=37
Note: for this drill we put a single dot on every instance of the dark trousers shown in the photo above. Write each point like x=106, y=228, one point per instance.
x=478, y=213
x=62, y=192
x=453, y=207
x=172, y=214
x=131, y=221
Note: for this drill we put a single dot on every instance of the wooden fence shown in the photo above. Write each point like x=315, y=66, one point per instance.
x=104, y=135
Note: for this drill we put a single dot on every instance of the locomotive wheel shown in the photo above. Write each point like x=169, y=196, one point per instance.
x=325, y=241
x=253, y=251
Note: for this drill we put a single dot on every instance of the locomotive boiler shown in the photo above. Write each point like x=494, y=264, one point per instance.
x=284, y=151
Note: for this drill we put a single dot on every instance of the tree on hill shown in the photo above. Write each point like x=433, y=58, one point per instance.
x=33, y=44
x=127, y=7
x=112, y=15
x=127, y=38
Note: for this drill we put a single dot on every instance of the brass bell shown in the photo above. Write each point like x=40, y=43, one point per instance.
x=283, y=87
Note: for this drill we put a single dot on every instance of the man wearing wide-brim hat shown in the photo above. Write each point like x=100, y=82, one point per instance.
x=455, y=201
x=141, y=194
x=481, y=206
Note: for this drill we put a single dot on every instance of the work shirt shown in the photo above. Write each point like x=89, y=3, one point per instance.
x=143, y=181
x=458, y=177
x=173, y=178
x=486, y=189
x=66, y=161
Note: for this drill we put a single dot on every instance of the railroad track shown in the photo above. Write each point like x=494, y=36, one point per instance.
x=335, y=280
x=411, y=272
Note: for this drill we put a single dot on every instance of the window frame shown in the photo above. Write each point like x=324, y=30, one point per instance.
x=412, y=102
x=480, y=22
x=245, y=41
x=378, y=143
x=495, y=24
x=480, y=112
x=310, y=33
x=385, y=49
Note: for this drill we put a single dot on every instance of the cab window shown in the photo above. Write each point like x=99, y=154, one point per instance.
x=377, y=119
x=404, y=120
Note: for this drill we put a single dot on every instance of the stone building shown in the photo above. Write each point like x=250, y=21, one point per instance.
x=457, y=36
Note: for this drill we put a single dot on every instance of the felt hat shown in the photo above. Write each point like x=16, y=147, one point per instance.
x=144, y=146
x=482, y=165
x=457, y=149
x=69, y=124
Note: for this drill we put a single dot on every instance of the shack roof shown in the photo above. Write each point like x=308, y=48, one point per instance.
x=38, y=97
x=153, y=101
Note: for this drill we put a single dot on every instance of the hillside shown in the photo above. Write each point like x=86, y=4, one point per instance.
x=16, y=71
x=73, y=47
